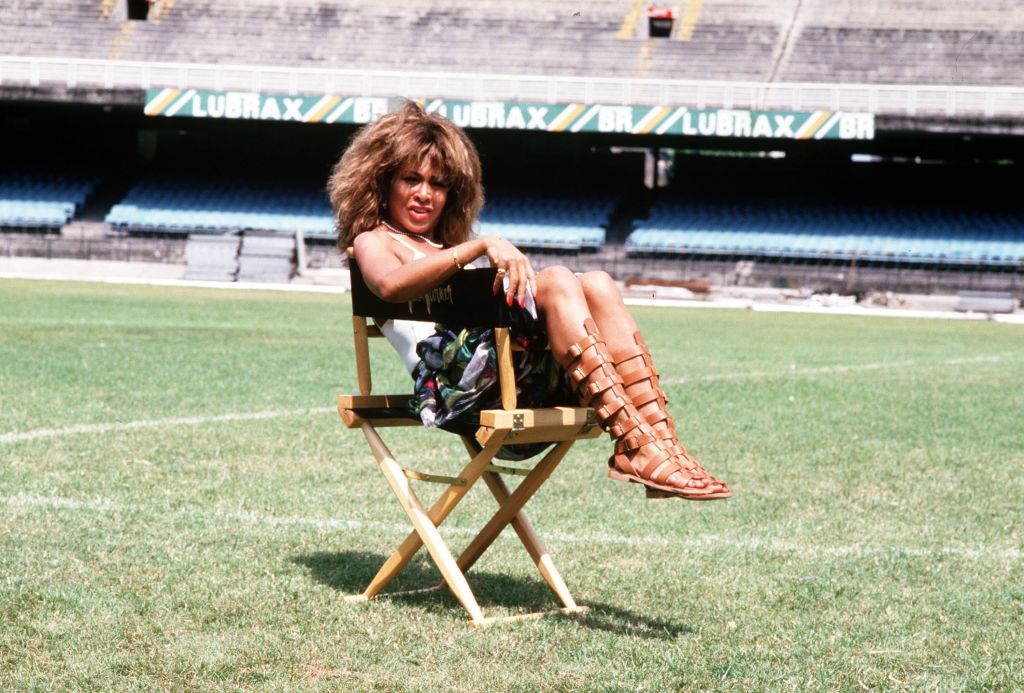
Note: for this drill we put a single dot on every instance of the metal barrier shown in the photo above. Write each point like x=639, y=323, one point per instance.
x=949, y=101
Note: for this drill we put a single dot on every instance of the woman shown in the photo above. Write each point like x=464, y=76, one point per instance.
x=406, y=193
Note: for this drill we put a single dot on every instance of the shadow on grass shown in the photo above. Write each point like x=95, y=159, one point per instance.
x=351, y=571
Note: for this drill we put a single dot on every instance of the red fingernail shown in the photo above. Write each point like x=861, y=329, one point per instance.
x=509, y=300
x=522, y=302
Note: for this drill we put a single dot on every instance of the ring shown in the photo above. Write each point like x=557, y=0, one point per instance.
x=501, y=271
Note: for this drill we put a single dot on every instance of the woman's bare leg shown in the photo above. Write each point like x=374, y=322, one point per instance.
x=604, y=300
x=641, y=454
x=563, y=306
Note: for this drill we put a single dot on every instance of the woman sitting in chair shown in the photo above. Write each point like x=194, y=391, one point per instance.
x=406, y=193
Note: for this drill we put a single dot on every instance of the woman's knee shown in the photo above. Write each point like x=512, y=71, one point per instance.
x=598, y=286
x=557, y=281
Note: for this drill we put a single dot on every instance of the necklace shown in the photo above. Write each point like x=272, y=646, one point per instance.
x=411, y=234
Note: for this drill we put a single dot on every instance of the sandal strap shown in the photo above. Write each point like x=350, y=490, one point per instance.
x=644, y=397
x=587, y=364
x=610, y=408
x=635, y=375
x=635, y=442
x=587, y=394
x=626, y=353
x=660, y=468
x=621, y=429
x=592, y=389
x=576, y=350
x=657, y=417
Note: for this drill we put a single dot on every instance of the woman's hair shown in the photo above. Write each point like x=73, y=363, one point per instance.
x=361, y=181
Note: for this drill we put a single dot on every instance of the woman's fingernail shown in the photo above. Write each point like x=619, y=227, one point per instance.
x=522, y=302
x=509, y=300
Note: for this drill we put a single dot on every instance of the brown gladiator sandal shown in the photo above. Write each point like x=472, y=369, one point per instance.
x=640, y=381
x=599, y=385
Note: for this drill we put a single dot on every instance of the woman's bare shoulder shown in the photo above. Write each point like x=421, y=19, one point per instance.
x=370, y=240
x=377, y=248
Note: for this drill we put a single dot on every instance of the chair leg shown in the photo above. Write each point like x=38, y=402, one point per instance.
x=533, y=544
x=511, y=507
x=437, y=513
x=424, y=525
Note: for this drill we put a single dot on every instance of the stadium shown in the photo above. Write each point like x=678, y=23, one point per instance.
x=186, y=510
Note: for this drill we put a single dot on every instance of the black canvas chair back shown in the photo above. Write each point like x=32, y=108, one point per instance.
x=464, y=300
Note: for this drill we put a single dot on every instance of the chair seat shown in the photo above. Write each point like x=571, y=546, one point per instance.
x=401, y=416
x=525, y=425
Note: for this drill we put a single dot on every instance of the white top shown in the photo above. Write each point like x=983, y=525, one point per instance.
x=404, y=335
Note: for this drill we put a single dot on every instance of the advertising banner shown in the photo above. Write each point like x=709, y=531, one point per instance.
x=570, y=117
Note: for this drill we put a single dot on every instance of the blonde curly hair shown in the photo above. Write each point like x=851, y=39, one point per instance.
x=361, y=180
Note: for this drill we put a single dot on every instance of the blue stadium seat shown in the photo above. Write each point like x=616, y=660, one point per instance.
x=43, y=197
x=163, y=202
x=817, y=230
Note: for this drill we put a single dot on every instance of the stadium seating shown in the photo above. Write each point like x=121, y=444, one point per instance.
x=547, y=221
x=35, y=197
x=176, y=202
x=908, y=41
x=836, y=231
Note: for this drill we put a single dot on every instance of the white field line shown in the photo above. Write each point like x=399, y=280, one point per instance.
x=137, y=326
x=795, y=371
x=855, y=311
x=706, y=541
x=181, y=283
x=38, y=433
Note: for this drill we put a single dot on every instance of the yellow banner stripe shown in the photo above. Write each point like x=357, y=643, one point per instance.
x=808, y=130
x=161, y=102
x=317, y=115
x=652, y=119
x=565, y=117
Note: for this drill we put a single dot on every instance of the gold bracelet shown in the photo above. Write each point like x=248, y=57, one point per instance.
x=455, y=257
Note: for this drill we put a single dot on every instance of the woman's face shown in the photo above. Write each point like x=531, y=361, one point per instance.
x=417, y=198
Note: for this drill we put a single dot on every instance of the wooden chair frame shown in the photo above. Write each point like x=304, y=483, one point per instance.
x=464, y=300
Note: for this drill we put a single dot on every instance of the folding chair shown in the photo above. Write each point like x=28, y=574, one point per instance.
x=465, y=300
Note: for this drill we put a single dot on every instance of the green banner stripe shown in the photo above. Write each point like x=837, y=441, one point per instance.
x=574, y=117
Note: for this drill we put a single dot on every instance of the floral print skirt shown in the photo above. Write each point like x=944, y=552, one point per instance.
x=457, y=376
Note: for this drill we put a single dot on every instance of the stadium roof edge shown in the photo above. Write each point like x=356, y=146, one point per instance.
x=971, y=103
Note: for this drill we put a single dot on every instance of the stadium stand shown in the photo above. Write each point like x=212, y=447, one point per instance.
x=764, y=43
x=40, y=197
x=908, y=41
x=170, y=200
x=548, y=221
x=830, y=230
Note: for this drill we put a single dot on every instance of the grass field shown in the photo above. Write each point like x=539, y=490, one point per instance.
x=182, y=509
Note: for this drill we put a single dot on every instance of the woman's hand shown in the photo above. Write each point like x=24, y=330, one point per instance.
x=512, y=265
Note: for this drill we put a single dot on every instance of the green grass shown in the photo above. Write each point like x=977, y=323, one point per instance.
x=874, y=540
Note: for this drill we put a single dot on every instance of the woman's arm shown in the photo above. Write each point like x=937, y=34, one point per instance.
x=393, y=281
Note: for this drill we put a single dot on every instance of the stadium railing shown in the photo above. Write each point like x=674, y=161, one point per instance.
x=948, y=100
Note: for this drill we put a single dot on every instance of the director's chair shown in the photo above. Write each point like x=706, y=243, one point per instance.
x=465, y=300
